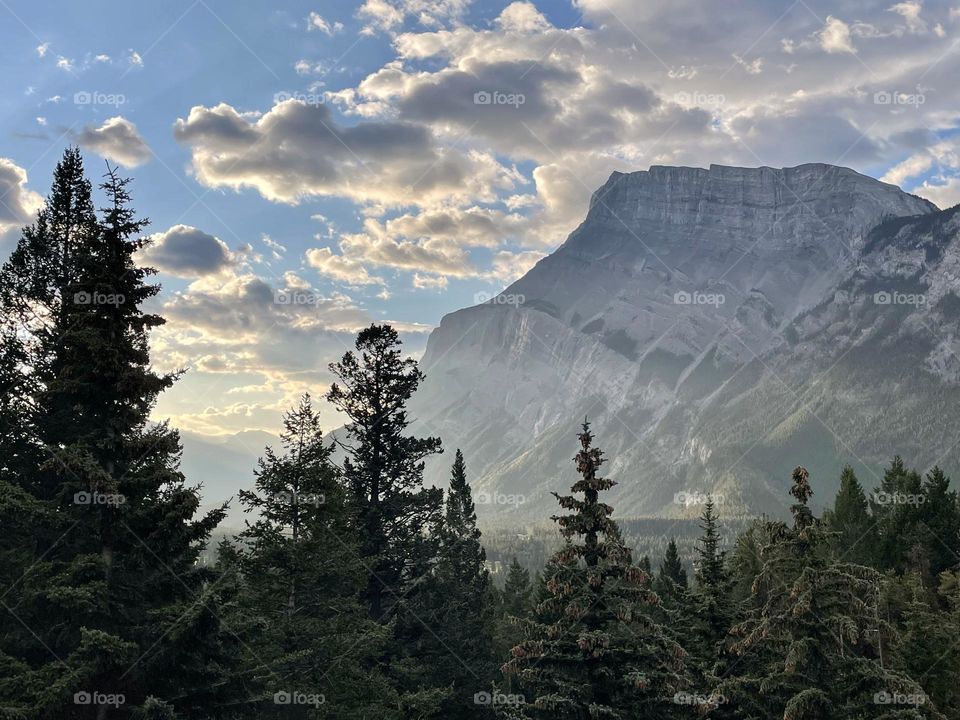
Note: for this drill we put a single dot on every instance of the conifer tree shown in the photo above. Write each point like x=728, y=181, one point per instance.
x=592, y=649
x=855, y=537
x=815, y=634
x=711, y=599
x=384, y=466
x=115, y=601
x=671, y=583
x=302, y=580
x=458, y=605
x=516, y=590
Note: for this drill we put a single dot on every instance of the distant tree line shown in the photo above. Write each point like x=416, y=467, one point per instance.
x=357, y=592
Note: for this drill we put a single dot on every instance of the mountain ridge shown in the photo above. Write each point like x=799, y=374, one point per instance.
x=611, y=324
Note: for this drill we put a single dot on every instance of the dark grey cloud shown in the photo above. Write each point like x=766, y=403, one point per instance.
x=185, y=251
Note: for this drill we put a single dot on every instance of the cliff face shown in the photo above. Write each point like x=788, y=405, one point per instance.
x=670, y=318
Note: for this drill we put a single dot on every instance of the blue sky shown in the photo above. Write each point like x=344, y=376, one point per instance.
x=397, y=159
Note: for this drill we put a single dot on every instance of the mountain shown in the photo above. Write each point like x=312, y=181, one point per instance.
x=226, y=465
x=718, y=327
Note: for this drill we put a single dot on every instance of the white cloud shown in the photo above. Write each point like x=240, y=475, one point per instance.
x=340, y=268
x=42, y=49
x=297, y=150
x=316, y=22
x=117, y=139
x=836, y=37
x=65, y=64
x=910, y=10
x=19, y=204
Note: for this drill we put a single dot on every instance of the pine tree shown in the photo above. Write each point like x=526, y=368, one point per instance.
x=302, y=580
x=711, y=600
x=399, y=520
x=516, y=590
x=855, y=531
x=384, y=467
x=815, y=634
x=458, y=605
x=115, y=583
x=592, y=649
x=671, y=583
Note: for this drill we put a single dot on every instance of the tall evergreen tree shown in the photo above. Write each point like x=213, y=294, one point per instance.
x=815, y=633
x=302, y=581
x=115, y=584
x=398, y=518
x=459, y=605
x=671, y=581
x=851, y=521
x=711, y=599
x=384, y=466
x=592, y=650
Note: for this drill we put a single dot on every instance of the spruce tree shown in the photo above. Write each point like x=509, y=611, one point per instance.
x=115, y=601
x=671, y=583
x=855, y=537
x=516, y=590
x=711, y=599
x=399, y=520
x=458, y=605
x=592, y=650
x=815, y=633
x=384, y=466
x=302, y=580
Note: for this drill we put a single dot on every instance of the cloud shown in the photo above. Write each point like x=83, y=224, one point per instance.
x=910, y=11
x=117, y=139
x=835, y=37
x=316, y=22
x=340, y=268
x=187, y=252
x=42, y=49
x=297, y=150
x=18, y=204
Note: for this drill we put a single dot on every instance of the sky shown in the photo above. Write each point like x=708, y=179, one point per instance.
x=312, y=167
